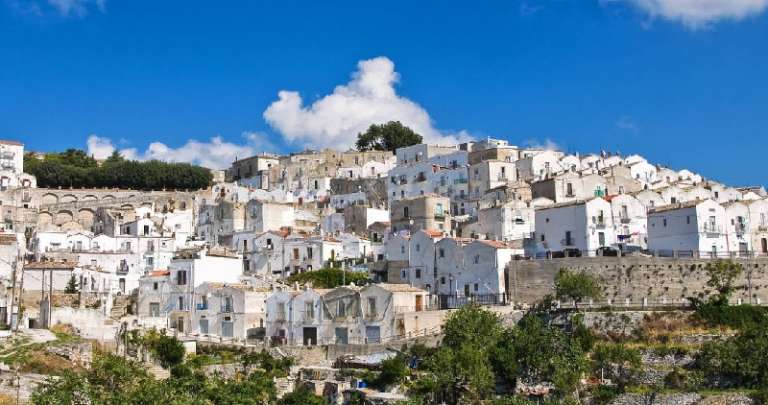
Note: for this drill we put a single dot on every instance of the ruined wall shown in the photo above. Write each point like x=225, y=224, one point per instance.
x=636, y=281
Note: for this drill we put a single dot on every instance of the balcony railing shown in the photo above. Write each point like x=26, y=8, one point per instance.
x=202, y=306
x=226, y=309
x=711, y=229
x=625, y=220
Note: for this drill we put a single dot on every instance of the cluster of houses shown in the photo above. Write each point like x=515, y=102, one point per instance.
x=433, y=225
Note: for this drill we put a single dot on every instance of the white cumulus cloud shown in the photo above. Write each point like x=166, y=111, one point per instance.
x=99, y=147
x=697, y=14
x=216, y=153
x=335, y=119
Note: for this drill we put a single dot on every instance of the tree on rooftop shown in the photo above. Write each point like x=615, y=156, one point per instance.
x=389, y=136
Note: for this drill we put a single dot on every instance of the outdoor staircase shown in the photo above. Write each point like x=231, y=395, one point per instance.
x=120, y=307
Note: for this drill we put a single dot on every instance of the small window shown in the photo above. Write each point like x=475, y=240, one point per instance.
x=442, y=280
x=418, y=273
x=477, y=259
x=442, y=252
x=665, y=222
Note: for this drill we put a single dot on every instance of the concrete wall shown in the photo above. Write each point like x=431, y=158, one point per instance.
x=656, y=280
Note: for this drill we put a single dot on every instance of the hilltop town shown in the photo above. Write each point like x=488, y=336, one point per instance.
x=339, y=260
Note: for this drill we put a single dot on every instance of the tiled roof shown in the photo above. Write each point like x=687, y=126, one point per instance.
x=677, y=206
x=159, y=273
x=50, y=265
x=391, y=287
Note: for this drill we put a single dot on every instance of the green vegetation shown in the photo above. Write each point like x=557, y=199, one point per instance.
x=478, y=353
x=576, y=286
x=389, y=136
x=115, y=380
x=71, y=287
x=328, y=278
x=74, y=168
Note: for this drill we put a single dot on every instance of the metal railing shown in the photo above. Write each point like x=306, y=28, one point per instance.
x=446, y=301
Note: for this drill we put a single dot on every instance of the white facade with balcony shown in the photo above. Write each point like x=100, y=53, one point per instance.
x=696, y=228
x=582, y=225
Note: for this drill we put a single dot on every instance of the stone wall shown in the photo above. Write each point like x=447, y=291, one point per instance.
x=636, y=281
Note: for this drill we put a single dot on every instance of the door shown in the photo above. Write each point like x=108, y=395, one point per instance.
x=180, y=324
x=420, y=303
x=743, y=249
x=122, y=285
x=601, y=238
x=204, y=326
x=764, y=243
x=342, y=336
x=372, y=334
x=227, y=328
x=310, y=336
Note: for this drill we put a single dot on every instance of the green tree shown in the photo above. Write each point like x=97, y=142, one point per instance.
x=301, y=396
x=393, y=371
x=328, y=278
x=169, y=351
x=576, y=286
x=389, y=136
x=71, y=287
x=722, y=276
x=472, y=324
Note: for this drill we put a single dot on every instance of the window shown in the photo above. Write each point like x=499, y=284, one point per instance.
x=569, y=190
x=442, y=280
x=372, y=306
x=181, y=278
x=181, y=303
x=341, y=309
x=154, y=286
x=418, y=273
x=296, y=253
x=476, y=287
x=664, y=221
x=154, y=309
x=567, y=238
x=477, y=259
x=405, y=212
x=402, y=249
x=309, y=310
x=543, y=238
x=688, y=219
x=441, y=252
x=418, y=247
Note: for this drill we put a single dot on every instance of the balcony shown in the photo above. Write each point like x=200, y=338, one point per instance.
x=625, y=220
x=599, y=222
x=308, y=317
x=420, y=178
x=227, y=309
x=280, y=316
x=711, y=229
x=202, y=306
x=460, y=181
x=122, y=269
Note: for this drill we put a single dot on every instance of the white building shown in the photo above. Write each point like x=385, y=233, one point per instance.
x=585, y=226
x=695, y=228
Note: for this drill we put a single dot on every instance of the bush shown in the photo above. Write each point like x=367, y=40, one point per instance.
x=169, y=351
x=328, y=278
x=685, y=380
x=736, y=317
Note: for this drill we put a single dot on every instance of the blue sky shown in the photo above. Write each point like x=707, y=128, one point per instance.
x=682, y=82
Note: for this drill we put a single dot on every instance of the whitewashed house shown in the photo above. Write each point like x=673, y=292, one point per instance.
x=585, y=226
x=694, y=228
x=631, y=221
x=758, y=219
x=738, y=228
x=235, y=311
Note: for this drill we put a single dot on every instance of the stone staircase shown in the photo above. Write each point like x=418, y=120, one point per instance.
x=120, y=307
